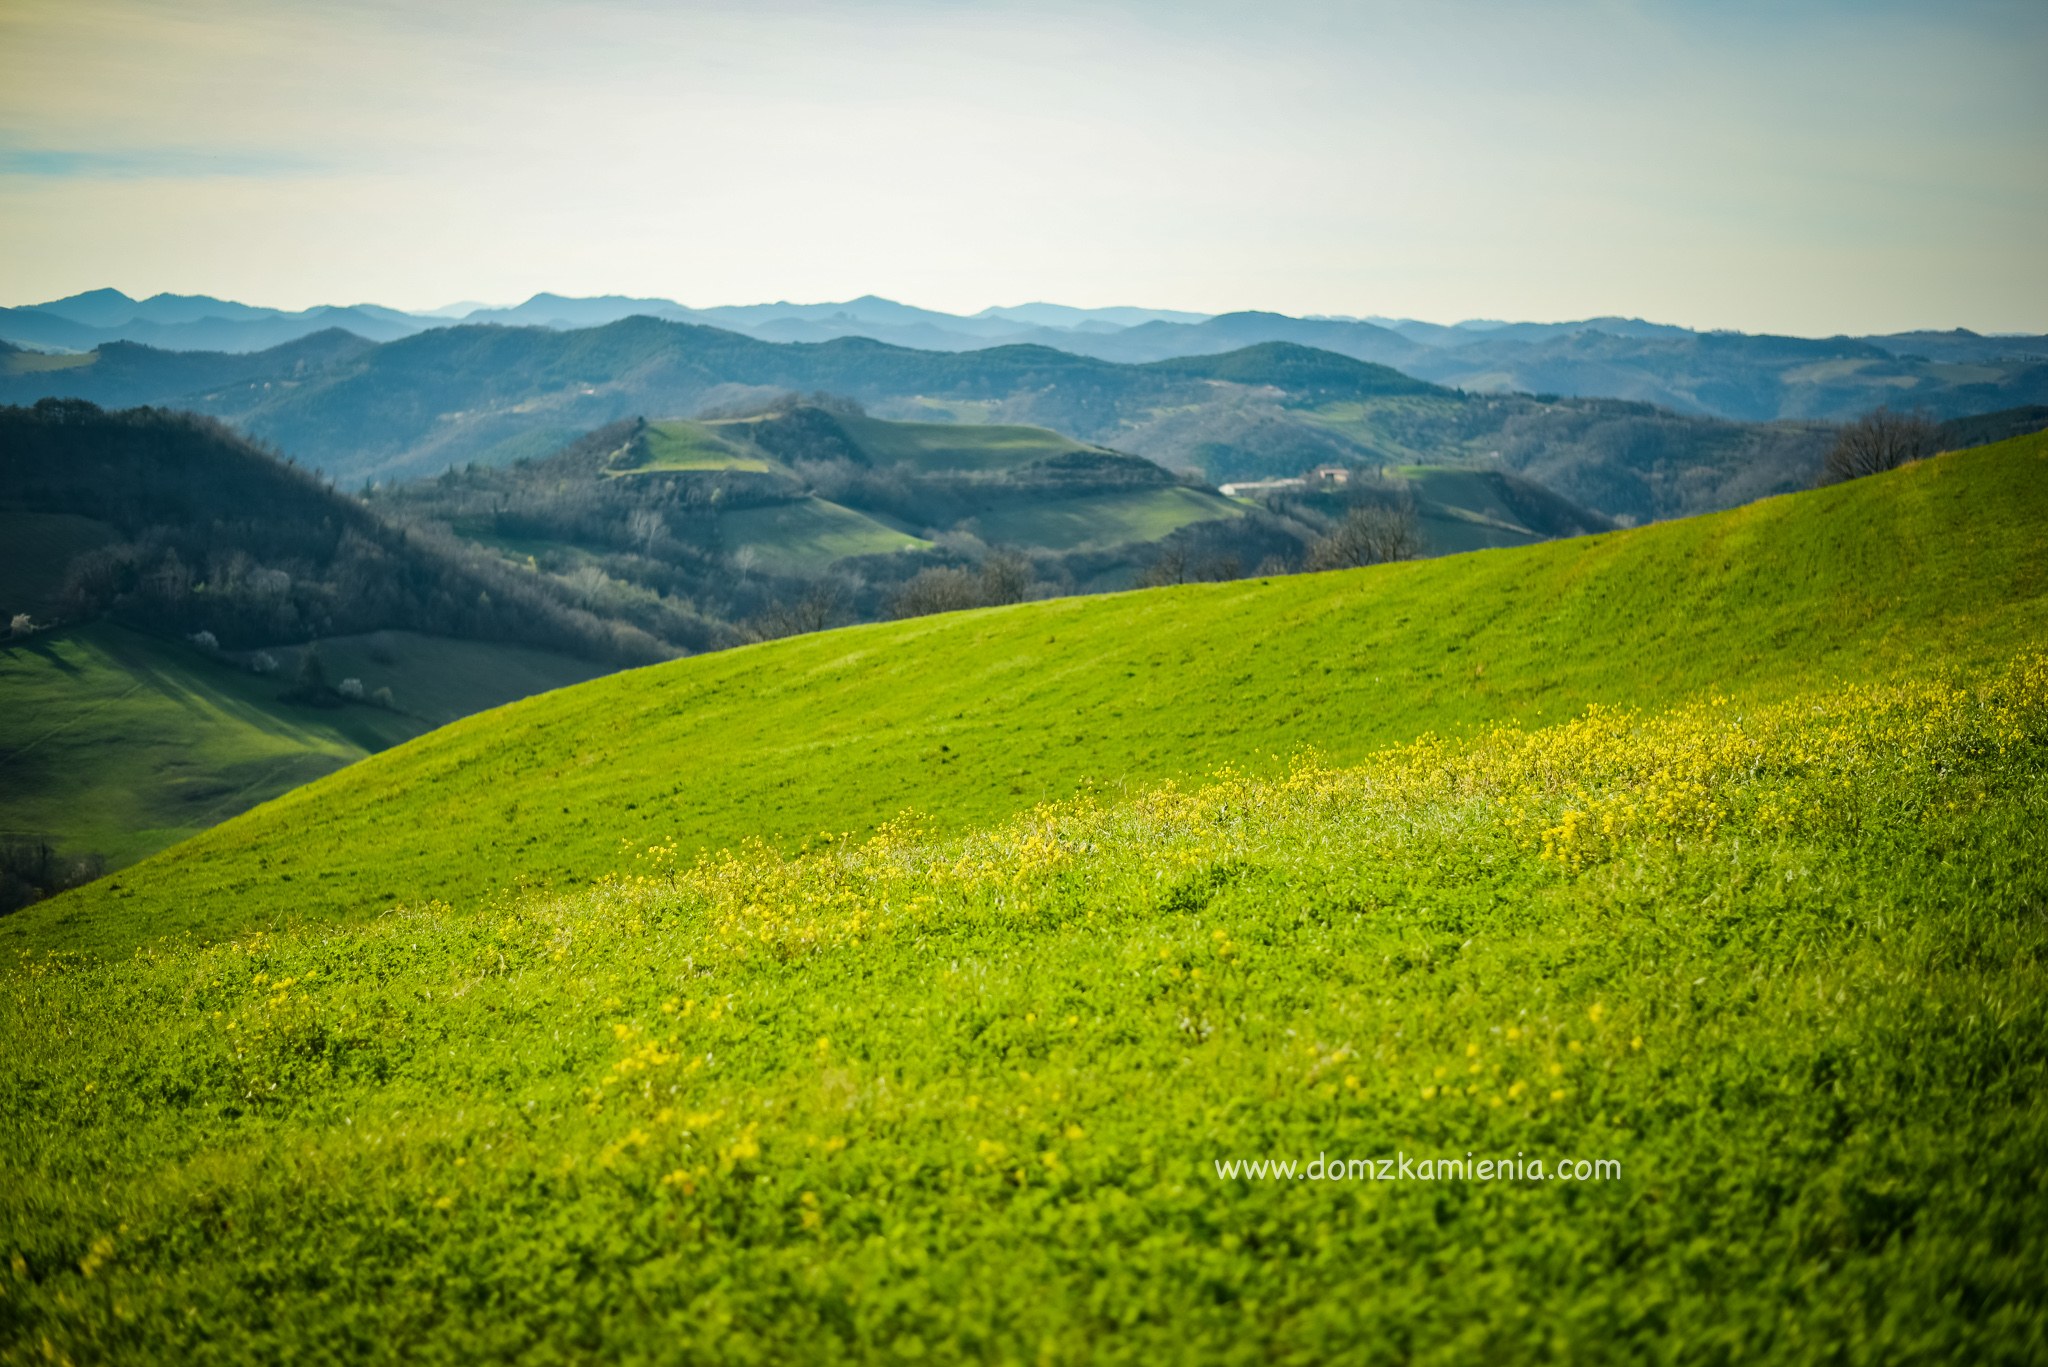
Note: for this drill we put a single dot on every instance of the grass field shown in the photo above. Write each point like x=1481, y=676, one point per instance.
x=1381, y=424
x=973, y=716
x=1463, y=512
x=934, y=446
x=436, y=679
x=1757, y=987
x=119, y=743
x=35, y=362
x=680, y=445
x=807, y=536
x=1104, y=520
x=1459, y=510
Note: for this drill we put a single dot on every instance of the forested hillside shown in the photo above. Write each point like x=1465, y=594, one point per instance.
x=1740, y=377
x=492, y=395
x=181, y=526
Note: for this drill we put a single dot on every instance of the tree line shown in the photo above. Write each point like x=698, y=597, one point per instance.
x=213, y=533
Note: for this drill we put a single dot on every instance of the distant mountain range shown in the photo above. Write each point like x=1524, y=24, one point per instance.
x=1738, y=376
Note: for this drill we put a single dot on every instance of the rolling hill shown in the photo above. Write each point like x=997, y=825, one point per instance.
x=185, y=565
x=1459, y=508
x=1707, y=1017
x=741, y=517
x=454, y=396
x=1729, y=375
x=115, y=743
x=972, y=716
x=163, y=578
x=1733, y=376
x=172, y=522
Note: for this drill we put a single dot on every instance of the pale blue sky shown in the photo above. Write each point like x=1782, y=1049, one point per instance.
x=1808, y=168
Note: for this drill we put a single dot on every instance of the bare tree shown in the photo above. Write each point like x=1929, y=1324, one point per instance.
x=1371, y=535
x=940, y=588
x=821, y=606
x=1170, y=566
x=1880, y=440
x=1005, y=577
x=644, y=527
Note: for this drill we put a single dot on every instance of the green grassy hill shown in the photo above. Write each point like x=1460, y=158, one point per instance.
x=1028, y=488
x=171, y=555
x=1115, y=518
x=1707, y=1033
x=1469, y=510
x=936, y=446
x=736, y=518
x=115, y=743
x=971, y=716
x=810, y=535
x=682, y=445
x=1457, y=508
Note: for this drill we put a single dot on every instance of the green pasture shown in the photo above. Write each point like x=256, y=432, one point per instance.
x=35, y=362
x=1759, y=988
x=805, y=537
x=679, y=445
x=1101, y=520
x=941, y=446
x=971, y=716
x=118, y=743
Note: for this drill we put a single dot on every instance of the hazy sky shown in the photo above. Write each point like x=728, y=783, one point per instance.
x=1802, y=167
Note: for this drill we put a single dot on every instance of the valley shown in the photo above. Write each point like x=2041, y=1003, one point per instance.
x=495, y=395
x=904, y=682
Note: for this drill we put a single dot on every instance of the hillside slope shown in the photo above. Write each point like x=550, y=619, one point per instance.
x=115, y=743
x=173, y=522
x=800, y=518
x=969, y=716
x=170, y=576
x=453, y=396
x=1717, y=1033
